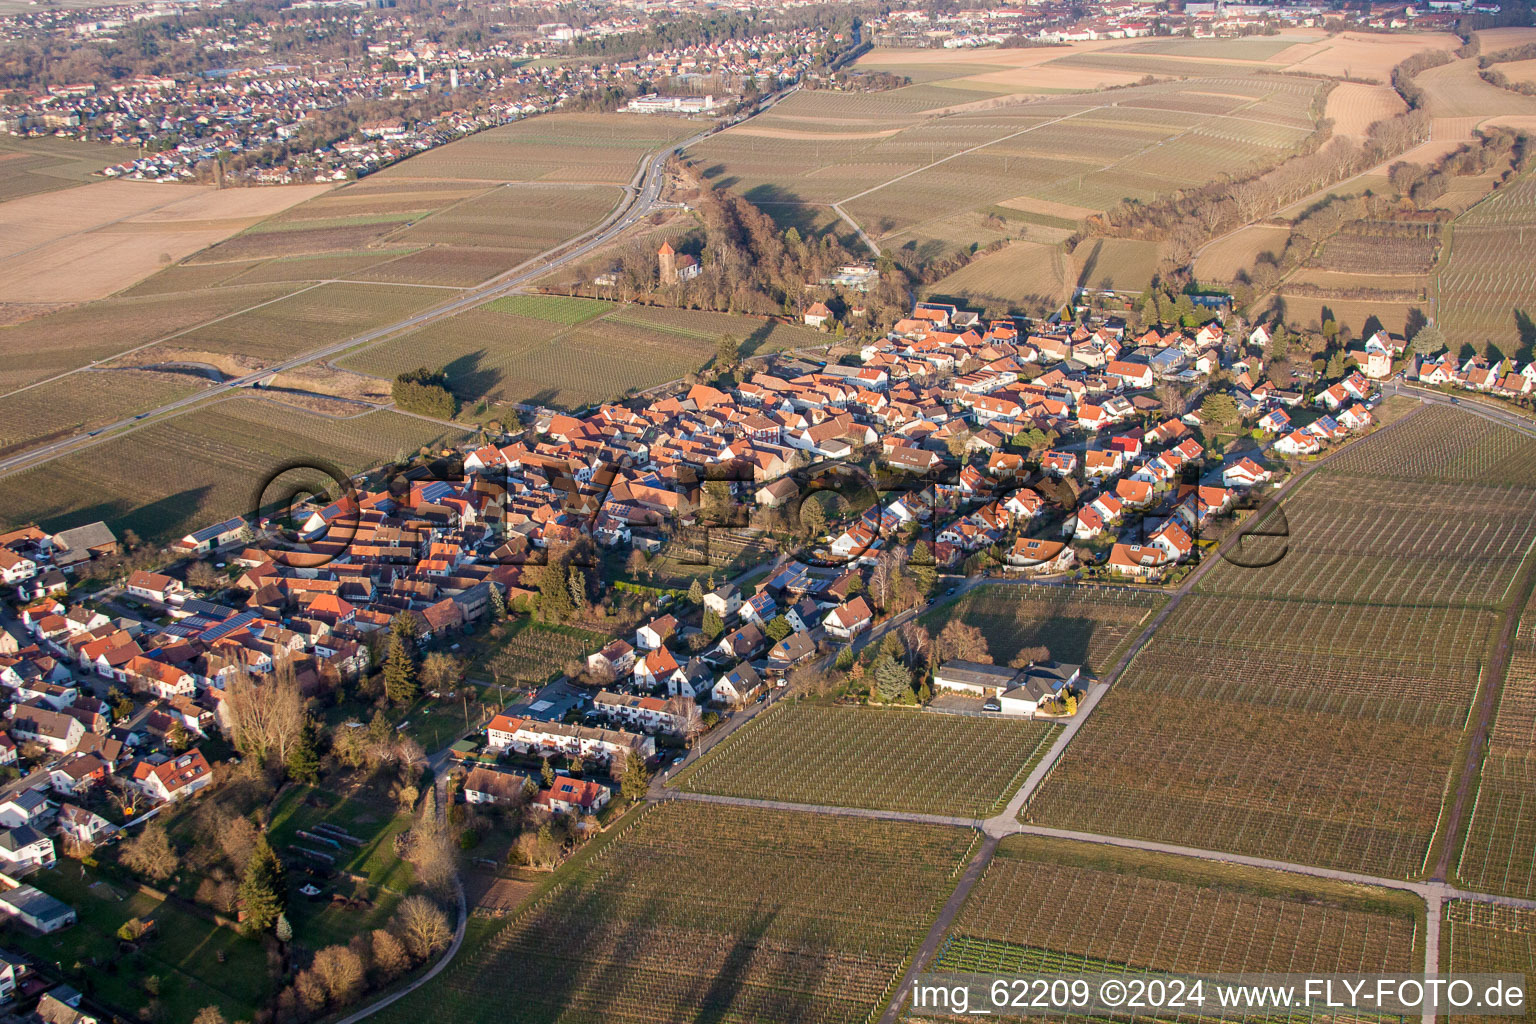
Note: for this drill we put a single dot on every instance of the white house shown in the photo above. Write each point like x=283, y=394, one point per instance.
x=738, y=686
x=848, y=620
x=176, y=779
x=24, y=849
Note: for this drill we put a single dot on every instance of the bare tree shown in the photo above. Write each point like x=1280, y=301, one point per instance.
x=340, y=970
x=266, y=715
x=390, y=959
x=151, y=854
x=422, y=926
x=960, y=641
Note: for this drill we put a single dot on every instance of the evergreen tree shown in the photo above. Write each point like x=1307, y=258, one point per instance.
x=778, y=628
x=635, y=781
x=576, y=582
x=892, y=679
x=284, y=930
x=303, y=757
x=497, y=602
x=548, y=773
x=713, y=625
x=262, y=892
x=696, y=592
x=399, y=672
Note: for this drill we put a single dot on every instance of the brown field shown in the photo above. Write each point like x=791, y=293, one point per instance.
x=445, y=265
x=185, y=471
x=1045, y=207
x=1519, y=70
x=1307, y=311
x=1454, y=90
x=1061, y=906
x=1123, y=264
x=524, y=217
x=300, y=241
x=88, y=242
x=71, y=338
x=1343, y=280
x=1222, y=259
x=1353, y=107
x=84, y=401
x=29, y=166
x=551, y=147
x=311, y=318
x=1026, y=274
x=1482, y=937
x=1369, y=56
x=1495, y=39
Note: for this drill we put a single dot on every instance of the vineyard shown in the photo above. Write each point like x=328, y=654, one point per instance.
x=535, y=653
x=1485, y=939
x=1311, y=711
x=553, y=308
x=1443, y=445
x=1500, y=851
x=1382, y=248
x=187, y=471
x=1063, y=907
x=86, y=400
x=1084, y=627
x=1364, y=540
x=806, y=918
x=892, y=760
x=1488, y=271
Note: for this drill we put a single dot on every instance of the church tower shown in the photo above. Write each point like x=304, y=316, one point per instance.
x=666, y=263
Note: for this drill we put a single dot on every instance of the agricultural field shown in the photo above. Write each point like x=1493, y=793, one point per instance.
x=1083, y=627
x=97, y=331
x=907, y=164
x=86, y=400
x=812, y=920
x=1278, y=729
x=186, y=471
x=1333, y=687
x=1310, y=312
x=577, y=148
x=88, y=242
x=1500, y=850
x=1486, y=279
x=891, y=760
x=533, y=653
x=30, y=166
x=1024, y=275
x=1059, y=906
x=557, y=352
x=1223, y=259
x=1381, y=248
x=309, y=319
x=1454, y=90
x=1353, y=107
x=1482, y=938
x=1117, y=264
x=524, y=218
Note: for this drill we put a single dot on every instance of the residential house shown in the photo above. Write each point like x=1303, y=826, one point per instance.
x=175, y=779
x=848, y=620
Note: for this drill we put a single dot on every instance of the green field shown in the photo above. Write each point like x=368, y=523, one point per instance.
x=1312, y=710
x=533, y=653
x=893, y=760
x=184, y=472
x=698, y=912
x=181, y=952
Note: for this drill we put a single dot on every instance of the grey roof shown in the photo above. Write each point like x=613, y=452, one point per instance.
x=20, y=837
x=977, y=674
x=91, y=535
x=35, y=903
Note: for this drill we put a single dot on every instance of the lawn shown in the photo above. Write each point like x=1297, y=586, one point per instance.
x=885, y=759
x=181, y=951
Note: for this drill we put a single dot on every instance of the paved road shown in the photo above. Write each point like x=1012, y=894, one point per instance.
x=641, y=199
x=1477, y=407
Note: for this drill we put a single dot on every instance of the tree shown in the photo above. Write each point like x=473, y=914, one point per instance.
x=696, y=592
x=1428, y=341
x=422, y=926
x=576, y=582
x=1218, y=410
x=266, y=717
x=497, y=602
x=713, y=624
x=441, y=671
x=554, y=587
x=202, y=576
x=426, y=392
x=958, y=641
x=813, y=517
x=262, y=895
x=283, y=930
x=303, y=762
x=635, y=564
x=388, y=954
x=151, y=854
x=340, y=970
x=635, y=780
x=178, y=738
x=210, y=1015
x=399, y=672
x=547, y=773
x=727, y=351
x=122, y=704
x=893, y=680
x=1030, y=655
x=778, y=628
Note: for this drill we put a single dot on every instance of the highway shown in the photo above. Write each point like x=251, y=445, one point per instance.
x=641, y=199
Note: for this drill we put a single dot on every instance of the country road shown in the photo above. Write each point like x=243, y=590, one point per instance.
x=642, y=197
